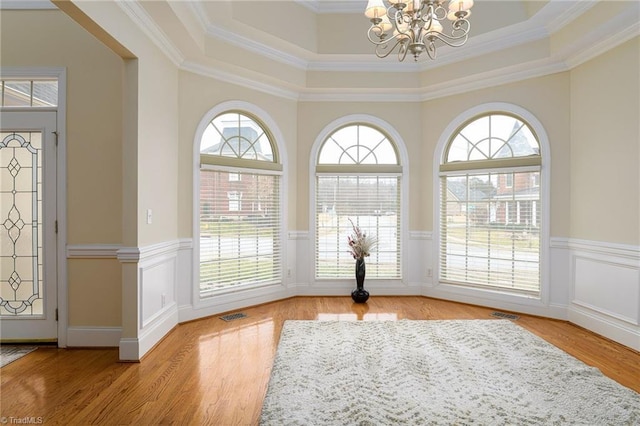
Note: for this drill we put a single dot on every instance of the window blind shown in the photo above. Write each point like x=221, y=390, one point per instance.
x=490, y=230
x=240, y=235
x=373, y=204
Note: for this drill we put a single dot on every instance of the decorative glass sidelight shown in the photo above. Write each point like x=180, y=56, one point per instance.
x=21, y=284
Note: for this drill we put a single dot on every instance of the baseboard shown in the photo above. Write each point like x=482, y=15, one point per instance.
x=497, y=300
x=133, y=349
x=626, y=334
x=232, y=301
x=93, y=336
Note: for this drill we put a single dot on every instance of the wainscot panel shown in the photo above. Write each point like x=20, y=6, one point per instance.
x=606, y=290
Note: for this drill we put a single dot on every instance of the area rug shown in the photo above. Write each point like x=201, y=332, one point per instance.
x=483, y=372
x=10, y=353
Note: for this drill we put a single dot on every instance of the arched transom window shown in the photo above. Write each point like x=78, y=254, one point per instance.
x=358, y=180
x=490, y=207
x=240, y=217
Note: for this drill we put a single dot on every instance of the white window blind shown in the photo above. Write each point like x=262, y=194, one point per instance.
x=358, y=178
x=490, y=231
x=490, y=206
x=239, y=241
x=373, y=204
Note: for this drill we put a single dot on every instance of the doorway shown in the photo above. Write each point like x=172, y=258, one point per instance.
x=28, y=226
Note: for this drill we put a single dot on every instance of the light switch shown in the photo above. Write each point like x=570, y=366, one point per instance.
x=149, y=216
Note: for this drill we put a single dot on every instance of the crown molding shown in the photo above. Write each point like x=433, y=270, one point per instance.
x=228, y=77
x=493, y=78
x=552, y=17
x=256, y=47
x=604, y=38
x=557, y=14
x=141, y=18
x=480, y=81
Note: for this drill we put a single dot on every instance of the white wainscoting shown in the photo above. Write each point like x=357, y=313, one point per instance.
x=157, y=289
x=605, y=295
x=592, y=284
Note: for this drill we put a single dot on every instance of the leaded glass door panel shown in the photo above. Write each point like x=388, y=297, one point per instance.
x=28, y=298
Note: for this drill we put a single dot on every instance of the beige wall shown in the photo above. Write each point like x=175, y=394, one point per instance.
x=547, y=98
x=314, y=116
x=94, y=148
x=157, y=148
x=605, y=147
x=200, y=94
x=117, y=169
x=419, y=124
x=94, y=115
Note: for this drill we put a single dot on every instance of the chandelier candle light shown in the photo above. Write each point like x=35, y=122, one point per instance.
x=416, y=26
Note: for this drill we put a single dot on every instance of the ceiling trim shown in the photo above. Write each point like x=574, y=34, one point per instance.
x=256, y=47
x=606, y=36
x=480, y=81
x=603, y=39
x=552, y=17
x=556, y=14
x=142, y=19
x=248, y=83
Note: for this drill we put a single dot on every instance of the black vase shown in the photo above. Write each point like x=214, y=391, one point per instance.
x=360, y=295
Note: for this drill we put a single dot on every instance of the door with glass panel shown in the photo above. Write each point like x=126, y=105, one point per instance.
x=28, y=287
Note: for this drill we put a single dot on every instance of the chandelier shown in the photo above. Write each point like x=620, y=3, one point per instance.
x=416, y=26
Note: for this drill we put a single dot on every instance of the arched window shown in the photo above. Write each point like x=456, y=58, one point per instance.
x=491, y=204
x=359, y=181
x=239, y=200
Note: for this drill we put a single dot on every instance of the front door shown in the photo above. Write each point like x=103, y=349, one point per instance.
x=28, y=268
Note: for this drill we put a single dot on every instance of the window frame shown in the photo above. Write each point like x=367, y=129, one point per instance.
x=234, y=165
x=544, y=163
x=401, y=169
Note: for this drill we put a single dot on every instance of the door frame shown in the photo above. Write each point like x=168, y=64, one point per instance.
x=60, y=73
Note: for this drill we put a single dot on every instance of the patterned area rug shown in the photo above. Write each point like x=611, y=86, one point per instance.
x=487, y=372
x=10, y=353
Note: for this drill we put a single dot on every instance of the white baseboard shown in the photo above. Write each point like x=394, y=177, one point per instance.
x=496, y=300
x=603, y=325
x=93, y=336
x=133, y=349
x=233, y=301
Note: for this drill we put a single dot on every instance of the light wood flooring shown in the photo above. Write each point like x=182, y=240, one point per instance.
x=212, y=372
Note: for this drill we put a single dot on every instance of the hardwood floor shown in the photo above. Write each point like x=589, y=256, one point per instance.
x=212, y=372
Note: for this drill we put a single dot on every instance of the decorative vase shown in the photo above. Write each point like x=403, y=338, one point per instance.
x=360, y=295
